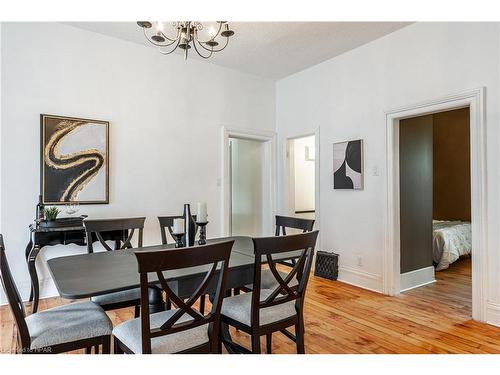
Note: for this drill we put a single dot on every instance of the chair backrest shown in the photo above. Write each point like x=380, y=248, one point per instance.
x=167, y=223
x=14, y=299
x=265, y=248
x=283, y=222
x=213, y=255
x=100, y=226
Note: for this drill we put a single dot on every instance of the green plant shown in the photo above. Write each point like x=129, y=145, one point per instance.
x=51, y=213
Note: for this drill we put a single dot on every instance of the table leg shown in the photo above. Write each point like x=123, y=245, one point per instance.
x=156, y=303
x=27, y=255
x=34, y=277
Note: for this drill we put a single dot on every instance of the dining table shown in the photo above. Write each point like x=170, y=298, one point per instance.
x=88, y=275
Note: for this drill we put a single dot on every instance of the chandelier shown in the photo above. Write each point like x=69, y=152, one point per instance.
x=187, y=34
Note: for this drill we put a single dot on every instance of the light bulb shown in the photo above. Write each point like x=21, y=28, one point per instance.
x=211, y=31
x=159, y=27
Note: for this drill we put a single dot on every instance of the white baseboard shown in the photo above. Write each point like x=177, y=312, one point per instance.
x=417, y=278
x=47, y=290
x=493, y=314
x=360, y=278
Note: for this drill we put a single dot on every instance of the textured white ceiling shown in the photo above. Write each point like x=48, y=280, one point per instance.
x=270, y=49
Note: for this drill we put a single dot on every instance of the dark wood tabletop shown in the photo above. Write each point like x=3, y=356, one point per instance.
x=83, y=276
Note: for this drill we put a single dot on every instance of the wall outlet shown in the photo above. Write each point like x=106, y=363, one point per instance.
x=360, y=261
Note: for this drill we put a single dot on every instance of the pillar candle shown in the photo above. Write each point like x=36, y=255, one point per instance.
x=178, y=226
x=201, y=216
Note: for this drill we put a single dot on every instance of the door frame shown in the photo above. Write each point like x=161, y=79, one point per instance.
x=475, y=100
x=286, y=176
x=267, y=137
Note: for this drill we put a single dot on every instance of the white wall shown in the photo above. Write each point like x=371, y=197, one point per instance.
x=1, y=138
x=346, y=97
x=165, y=117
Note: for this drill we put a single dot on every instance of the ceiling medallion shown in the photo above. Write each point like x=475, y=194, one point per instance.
x=187, y=35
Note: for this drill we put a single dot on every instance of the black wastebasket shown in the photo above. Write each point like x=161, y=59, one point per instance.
x=327, y=265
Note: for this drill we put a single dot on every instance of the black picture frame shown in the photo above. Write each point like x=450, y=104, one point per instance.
x=64, y=176
x=348, y=165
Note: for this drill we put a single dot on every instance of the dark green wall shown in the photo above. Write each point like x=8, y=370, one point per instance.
x=415, y=158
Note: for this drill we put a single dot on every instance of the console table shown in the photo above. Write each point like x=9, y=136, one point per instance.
x=41, y=236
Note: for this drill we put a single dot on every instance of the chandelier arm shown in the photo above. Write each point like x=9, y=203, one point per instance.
x=172, y=40
x=198, y=52
x=211, y=49
x=225, y=45
x=206, y=48
x=157, y=44
x=172, y=50
x=212, y=38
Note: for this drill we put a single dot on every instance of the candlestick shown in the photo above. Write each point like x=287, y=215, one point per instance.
x=201, y=216
x=203, y=233
x=178, y=239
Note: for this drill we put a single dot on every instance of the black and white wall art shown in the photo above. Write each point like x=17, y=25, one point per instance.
x=74, y=160
x=348, y=165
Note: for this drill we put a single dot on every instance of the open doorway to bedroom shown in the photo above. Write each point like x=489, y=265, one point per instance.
x=435, y=208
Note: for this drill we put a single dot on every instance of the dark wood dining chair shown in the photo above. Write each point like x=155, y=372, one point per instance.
x=166, y=225
x=74, y=326
x=282, y=223
x=265, y=311
x=97, y=227
x=183, y=329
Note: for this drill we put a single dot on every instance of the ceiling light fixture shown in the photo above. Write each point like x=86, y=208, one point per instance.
x=186, y=35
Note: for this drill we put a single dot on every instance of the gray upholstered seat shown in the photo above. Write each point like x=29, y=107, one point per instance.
x=129, y=333
x=72, y=322
x=117, y=297
x=239, y=309
x=268, y=281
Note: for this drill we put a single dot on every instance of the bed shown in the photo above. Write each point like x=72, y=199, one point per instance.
x=450, y=240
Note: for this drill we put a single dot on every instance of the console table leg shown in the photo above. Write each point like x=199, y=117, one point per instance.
x=34, y=277
x=27, y=255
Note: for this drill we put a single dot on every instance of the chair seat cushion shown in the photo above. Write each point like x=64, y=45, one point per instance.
x=67, y=323
x=239, y=308
x=268, y=281
x=118, y=297
x=129, y=333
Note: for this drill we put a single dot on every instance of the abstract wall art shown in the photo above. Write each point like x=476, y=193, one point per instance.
x=348, y=165
x=74, y=160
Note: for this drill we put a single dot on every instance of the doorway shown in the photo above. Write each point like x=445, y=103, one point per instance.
x=474, y=100
x=248, y=183
x=301, y=156
x=247, y=190
x=435, y=208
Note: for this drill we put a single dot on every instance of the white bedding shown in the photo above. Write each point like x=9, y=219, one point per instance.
x=451, y=239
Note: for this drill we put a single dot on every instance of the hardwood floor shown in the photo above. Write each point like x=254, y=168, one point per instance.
x=341, y=318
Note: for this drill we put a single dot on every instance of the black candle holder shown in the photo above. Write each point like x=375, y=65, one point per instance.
x=178, y=239
x=203, y=233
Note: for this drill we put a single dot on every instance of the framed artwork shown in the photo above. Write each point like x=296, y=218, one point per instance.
x=348, y=165
x=74, y=160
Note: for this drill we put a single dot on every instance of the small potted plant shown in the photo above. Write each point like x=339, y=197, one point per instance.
x=51, y=213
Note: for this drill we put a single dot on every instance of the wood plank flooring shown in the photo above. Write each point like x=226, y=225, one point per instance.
x=341, y=318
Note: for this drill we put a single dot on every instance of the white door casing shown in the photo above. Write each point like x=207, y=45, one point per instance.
x=474, y=99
